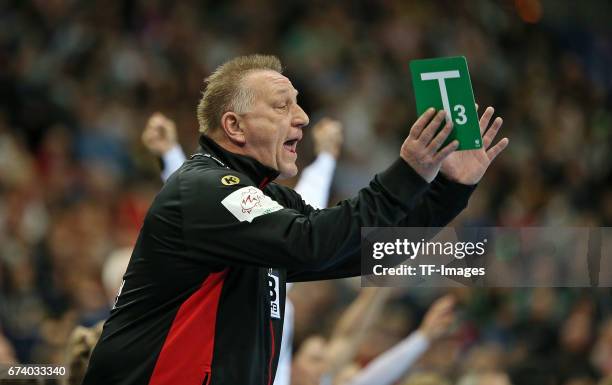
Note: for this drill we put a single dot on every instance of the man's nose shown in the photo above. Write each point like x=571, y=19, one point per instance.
x=300, y=118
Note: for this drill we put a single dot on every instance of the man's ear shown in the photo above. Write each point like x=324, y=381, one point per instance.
x=230, y=123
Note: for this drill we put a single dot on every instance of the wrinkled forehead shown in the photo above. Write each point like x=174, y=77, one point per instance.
x=268, y=83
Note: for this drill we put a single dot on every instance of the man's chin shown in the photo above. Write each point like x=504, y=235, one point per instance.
x=288, y=171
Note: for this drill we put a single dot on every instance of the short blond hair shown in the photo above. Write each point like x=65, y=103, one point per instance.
x=225, y=90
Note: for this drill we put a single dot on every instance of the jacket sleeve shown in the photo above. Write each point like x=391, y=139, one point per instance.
x=440, y=204
x=239, y=225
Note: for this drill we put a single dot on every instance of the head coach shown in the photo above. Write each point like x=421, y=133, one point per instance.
x=203, y=296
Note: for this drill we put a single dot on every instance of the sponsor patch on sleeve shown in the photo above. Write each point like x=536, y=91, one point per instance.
x=249, y=203
x=230, y=180
x=273, y=285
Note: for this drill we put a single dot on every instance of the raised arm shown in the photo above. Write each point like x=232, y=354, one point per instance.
x=315, y=180
x=285, y=233
x=159, y=137
x=394, y=363
x=351, y=328
x=449, y=190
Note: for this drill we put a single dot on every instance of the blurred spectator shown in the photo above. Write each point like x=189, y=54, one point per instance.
x=7, y=354
x=113, y=271
x=602, y=352
x=78, y=351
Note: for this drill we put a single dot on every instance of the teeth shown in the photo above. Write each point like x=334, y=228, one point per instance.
x=291, y=145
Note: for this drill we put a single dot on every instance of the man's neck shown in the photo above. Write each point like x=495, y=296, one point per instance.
x=222, y=140
x=235, y=157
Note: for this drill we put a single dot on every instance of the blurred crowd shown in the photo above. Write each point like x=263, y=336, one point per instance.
x=80, y=78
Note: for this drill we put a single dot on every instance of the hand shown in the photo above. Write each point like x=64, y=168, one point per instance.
x=328, y=137
x=420, y=149
x=438, y=318
x=7, y=353
x=159, y=135
x=468, y=167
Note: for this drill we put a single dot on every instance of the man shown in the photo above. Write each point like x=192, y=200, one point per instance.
x=160, y=138
x=203, y=295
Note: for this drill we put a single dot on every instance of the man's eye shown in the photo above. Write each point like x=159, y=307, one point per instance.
x=283, y=106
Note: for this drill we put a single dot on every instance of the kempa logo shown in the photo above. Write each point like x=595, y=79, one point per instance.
x=230, y=180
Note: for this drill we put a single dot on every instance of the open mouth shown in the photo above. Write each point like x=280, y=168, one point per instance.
x=291, y=145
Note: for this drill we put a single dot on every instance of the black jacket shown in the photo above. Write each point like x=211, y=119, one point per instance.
x=204, y=293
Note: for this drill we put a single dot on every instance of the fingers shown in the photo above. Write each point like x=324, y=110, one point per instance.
x=437, y=142
x=439, y=317
x=158, y=121
x=485, y=118
x=321, y=124
x=489, y=136
x=442, y=305
x=159, y=134
x=497, y=149
x=150, y=133
x=158, y=115
x=160, y=126
x=420, y=123
x=446, y=301
x=446, y=151
x=420, y=152
x=428, y=133
x=328, y=136
x=328, y=126
x=154, y=121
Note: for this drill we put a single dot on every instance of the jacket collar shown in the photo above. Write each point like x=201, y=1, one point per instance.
x=259, y=173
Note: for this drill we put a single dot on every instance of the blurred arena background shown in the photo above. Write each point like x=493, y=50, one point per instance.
x=79, y=79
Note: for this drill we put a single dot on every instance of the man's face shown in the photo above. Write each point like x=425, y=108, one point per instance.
x=273, y=124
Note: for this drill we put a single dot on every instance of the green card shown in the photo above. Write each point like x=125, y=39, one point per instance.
x=444, y=83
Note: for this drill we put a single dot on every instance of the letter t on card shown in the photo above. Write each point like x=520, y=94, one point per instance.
x=444, y=83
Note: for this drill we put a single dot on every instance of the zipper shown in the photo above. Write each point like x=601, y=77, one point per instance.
x=206, y=379
x=264, y=183
x=271, y=355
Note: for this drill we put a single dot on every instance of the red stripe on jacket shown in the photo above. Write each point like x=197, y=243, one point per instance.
x=186, y=356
